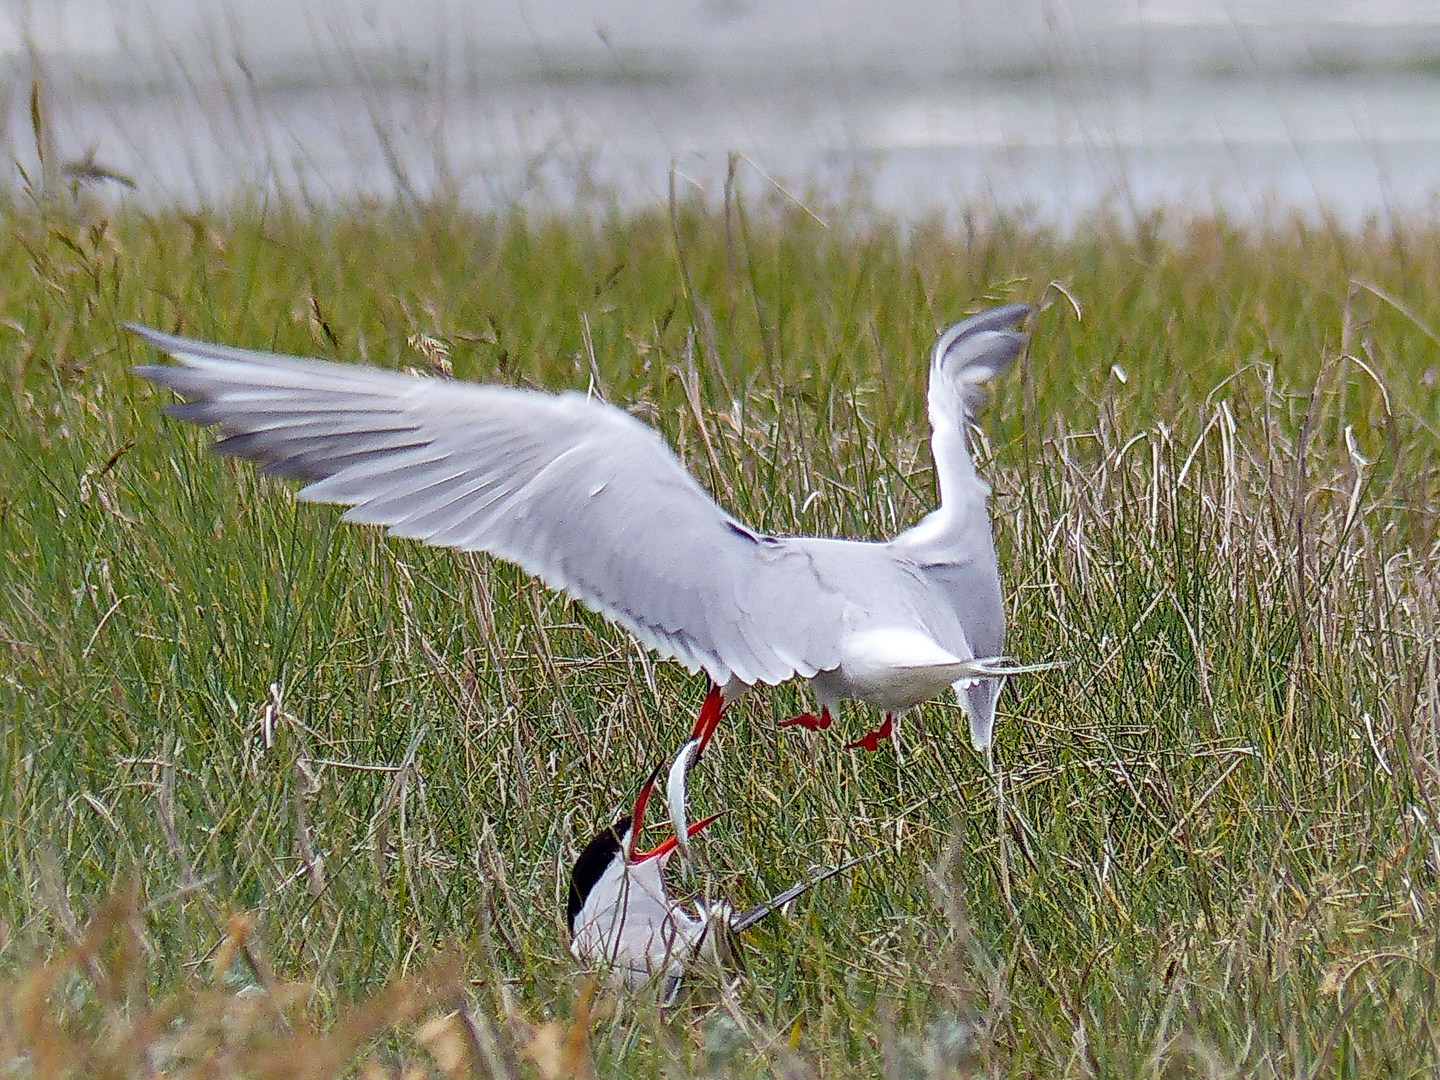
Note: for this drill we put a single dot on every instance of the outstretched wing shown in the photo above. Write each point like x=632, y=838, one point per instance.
x=576, y=492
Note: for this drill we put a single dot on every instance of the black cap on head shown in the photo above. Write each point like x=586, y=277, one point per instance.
x=591, y=866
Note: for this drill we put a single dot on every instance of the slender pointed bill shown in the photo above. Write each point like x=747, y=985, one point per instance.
x=707, y=721
x=669, y=844
x=637, y=816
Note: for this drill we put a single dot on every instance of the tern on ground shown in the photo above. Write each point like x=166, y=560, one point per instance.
x=594, y=503
x=621, y=916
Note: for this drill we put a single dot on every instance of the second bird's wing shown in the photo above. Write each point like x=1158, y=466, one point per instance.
x=751, y=916
x=577, y=492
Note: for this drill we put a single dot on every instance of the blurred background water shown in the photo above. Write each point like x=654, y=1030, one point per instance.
x=1051, y=108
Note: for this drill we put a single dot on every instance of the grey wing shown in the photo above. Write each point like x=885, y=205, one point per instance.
x=751, y=916
x=577, y=492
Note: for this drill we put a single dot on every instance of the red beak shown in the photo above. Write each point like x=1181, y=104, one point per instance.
x=707, y=722
x=670, y=844
x=637, y=815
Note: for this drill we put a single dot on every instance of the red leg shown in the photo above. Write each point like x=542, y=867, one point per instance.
x=871, y=739
x=809, y=721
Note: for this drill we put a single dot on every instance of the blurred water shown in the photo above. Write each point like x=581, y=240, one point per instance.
x=1056, y=108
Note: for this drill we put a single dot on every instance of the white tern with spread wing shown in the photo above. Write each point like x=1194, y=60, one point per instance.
x=594, y=503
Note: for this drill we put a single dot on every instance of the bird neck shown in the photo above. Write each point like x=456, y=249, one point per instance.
x=954, y=470
x=961, y=489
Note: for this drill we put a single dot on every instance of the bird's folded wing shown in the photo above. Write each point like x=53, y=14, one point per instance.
x=751, y=916
x=577, y=492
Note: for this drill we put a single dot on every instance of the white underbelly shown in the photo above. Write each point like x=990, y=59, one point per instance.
x=890, y=669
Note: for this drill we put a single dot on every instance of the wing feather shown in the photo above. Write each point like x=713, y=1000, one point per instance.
x=575, y=491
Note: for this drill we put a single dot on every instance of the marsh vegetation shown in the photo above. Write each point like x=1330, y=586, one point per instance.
x=1215, y=491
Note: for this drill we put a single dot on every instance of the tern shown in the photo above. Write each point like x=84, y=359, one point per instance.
x=621, y=916
x=595, y=503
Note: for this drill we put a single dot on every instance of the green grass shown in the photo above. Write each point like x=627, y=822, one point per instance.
x=1215, y=498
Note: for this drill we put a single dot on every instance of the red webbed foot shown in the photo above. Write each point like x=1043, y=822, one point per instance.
x=870, y=741
x=809, y=721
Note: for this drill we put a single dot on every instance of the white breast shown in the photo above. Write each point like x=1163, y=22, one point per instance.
x=629, y=925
